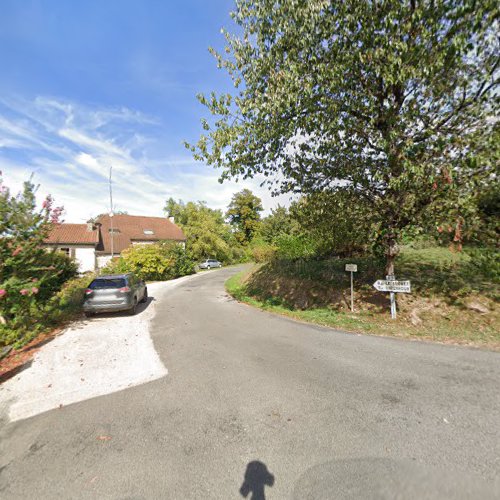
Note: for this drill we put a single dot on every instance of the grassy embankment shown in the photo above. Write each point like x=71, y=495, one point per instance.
x=454, y=296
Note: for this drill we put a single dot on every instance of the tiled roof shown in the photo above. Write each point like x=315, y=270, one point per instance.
x=129, y=228
x=72, y=234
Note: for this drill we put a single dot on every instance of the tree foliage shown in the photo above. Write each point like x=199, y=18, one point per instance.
x=392, y=102
x=243, y=214
x=206, y=231
x=158, y=261
x=29, y=275
x=278, y=223
x=340, y=223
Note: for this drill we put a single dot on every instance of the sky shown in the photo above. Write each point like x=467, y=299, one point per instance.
x=89, y=85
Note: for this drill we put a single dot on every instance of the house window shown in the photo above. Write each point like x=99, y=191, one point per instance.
x=70, y=252
x=114, y=230
x=148, y=231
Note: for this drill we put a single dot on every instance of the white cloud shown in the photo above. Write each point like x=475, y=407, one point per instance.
x=70, y=149
x=88, y=161
x=92, y=143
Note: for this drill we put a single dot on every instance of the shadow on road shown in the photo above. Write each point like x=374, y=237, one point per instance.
x=257, y=477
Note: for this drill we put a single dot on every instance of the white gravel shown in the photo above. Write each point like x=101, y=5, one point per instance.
x=91, y=358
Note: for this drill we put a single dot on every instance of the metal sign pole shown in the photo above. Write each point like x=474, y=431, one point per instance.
x=391, y=277
x=352, y=268
x=393, y=305
x=111, y=213
x=352, y=293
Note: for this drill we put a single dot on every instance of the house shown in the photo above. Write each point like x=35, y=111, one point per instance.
x=122, y=231
x=78, y=241
x=93, y=244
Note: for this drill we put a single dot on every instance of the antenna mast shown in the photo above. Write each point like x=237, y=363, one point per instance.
x=111, y=211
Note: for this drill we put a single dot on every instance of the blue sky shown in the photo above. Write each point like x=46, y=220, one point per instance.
x=89, y=84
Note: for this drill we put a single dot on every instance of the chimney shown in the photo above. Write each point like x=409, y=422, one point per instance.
x=90, y=226
x=171, y=218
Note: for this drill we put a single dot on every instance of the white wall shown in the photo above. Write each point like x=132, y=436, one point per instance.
x=85, y=256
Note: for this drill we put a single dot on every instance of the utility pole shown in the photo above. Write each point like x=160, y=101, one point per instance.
x=111, y=212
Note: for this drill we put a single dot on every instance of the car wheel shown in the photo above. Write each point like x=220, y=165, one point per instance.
x=133, y=309
x=145, y=298
x=88, y=314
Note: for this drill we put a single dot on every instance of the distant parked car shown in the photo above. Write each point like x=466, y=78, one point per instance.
x=118, y=292
x=209, y=264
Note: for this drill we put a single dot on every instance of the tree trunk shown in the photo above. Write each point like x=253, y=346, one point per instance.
x=391, y=253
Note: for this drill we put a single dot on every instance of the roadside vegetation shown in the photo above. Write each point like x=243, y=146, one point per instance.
x=40, y=290
x=300, y=272
x=454, y=296
x=30, y=277
x=382, y=120
x=156, y=262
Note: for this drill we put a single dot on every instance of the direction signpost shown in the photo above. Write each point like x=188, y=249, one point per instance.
x=393, y=286
x=353, y=268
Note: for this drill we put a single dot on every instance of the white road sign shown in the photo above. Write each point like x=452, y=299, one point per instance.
x=392, y=286
x=351, y=267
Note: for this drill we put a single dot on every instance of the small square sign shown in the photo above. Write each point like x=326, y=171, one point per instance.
x=351, y=267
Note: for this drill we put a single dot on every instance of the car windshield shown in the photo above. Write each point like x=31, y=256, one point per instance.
x=107, y=283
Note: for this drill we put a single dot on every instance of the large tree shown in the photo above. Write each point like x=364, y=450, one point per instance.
x=206, y=231
x=243, y=214
x=340, y=223
x=278, y=223
x=387, y=100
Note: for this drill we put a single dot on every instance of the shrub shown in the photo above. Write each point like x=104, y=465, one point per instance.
x=158, y=261
x=29, y=275
x=484, y=261
x=262, y=252
x=291, y=247
x=62, y=306
x=70, y=298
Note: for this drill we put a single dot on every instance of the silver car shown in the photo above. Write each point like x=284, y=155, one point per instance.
x=119, y=292
x=209, y=263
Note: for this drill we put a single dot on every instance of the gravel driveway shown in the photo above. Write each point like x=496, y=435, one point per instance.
x=94, y=357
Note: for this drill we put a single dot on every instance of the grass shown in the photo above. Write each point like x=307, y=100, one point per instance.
x=444, y=285
x=433, y=271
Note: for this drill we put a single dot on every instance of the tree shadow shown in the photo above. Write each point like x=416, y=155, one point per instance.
x=257, y=477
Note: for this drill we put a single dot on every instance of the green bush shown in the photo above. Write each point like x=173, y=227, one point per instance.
x=261, y=251
x=69, y=299
x=116, y=266
x=34, y=317
x=30, y=275
x=485, y=262
x=291, y=247
x=26, y=292
x=155, y=262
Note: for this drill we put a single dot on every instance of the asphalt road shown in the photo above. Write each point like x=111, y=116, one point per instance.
x=258, y=406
